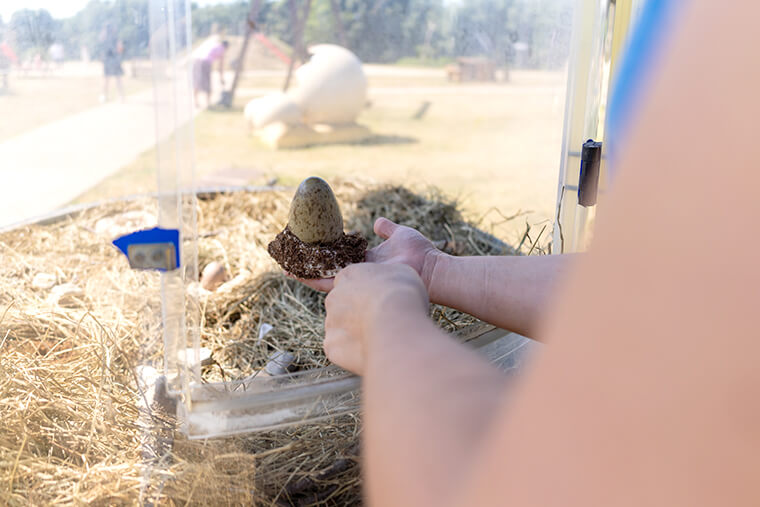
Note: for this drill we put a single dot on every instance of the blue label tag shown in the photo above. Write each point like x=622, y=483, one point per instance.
x=156, y=249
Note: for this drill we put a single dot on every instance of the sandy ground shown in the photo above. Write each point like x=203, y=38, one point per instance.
x=494, y=145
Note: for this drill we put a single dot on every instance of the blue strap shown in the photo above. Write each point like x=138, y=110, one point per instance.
x=639, y=63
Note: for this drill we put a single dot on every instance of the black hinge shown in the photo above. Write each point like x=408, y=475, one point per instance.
x=588, y=184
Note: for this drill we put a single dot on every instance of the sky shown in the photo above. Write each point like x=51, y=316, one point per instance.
x=63, y=8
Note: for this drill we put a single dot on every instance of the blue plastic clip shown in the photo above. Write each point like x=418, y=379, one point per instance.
x=156, y=249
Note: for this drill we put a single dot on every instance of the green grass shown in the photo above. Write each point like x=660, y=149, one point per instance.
x=493, y=150
x=424, y=62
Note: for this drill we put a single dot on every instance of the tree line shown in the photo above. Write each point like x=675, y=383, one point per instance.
x=427, y=31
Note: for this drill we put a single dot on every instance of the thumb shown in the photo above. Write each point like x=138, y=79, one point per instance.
x=384, y=227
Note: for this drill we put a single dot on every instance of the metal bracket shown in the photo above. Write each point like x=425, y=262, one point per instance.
x=588, y=182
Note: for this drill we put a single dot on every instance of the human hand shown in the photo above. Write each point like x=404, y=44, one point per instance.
x=364, y=299
x=403, y=245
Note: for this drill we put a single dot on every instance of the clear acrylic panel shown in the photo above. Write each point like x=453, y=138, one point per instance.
x=144, y=112
x=76, y=99
x=463, y=97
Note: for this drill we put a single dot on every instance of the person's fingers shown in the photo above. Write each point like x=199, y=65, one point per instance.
x=329, y=301
x=374, y=254
x=321, y=284
x=345, y=274
x=384, y=227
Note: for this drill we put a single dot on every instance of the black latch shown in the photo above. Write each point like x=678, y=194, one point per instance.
x=591, y=158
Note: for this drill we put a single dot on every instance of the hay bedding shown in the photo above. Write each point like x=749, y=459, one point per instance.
x=68, y=387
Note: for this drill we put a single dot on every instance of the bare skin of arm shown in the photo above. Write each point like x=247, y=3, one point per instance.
x=507, y=291
x=647, y=393
x=460, y=391
x=510, y=292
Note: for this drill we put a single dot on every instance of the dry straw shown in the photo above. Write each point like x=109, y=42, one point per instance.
x=69, y=401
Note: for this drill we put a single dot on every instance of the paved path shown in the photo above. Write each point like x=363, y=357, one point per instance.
x=46, y=168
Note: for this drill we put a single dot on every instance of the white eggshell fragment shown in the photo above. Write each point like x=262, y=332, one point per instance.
x=236, y=282
x=43, y=281
x=280, y=363
x=66, y=294
x=214, y=274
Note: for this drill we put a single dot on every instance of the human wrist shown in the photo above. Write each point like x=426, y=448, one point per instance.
x=395, y=324
x=404, y=305
x=433, y=271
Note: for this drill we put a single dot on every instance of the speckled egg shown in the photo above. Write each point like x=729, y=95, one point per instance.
x=314, y=213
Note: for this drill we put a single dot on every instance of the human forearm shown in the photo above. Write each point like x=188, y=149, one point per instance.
x=509, y=292
x=428, y=400
x=422, y=391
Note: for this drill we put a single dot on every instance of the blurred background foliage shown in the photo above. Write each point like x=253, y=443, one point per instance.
x=521, y=33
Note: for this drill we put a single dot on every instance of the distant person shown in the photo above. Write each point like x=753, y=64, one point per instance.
x=7, y=58
x=113, y=49
x=204, y=57
x=56, y=53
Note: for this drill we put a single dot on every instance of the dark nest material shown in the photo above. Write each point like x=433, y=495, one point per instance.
x=75, y=323
x=319, y=260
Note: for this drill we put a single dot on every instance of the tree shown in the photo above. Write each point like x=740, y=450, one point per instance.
x=378, y=30
x=229, y=18
x=33, y=31
x=485, y=27
x=320, y=27
x=375, y=29
x=133, y=22
x=86, y=27
x=550, y=33
x=490, y=27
